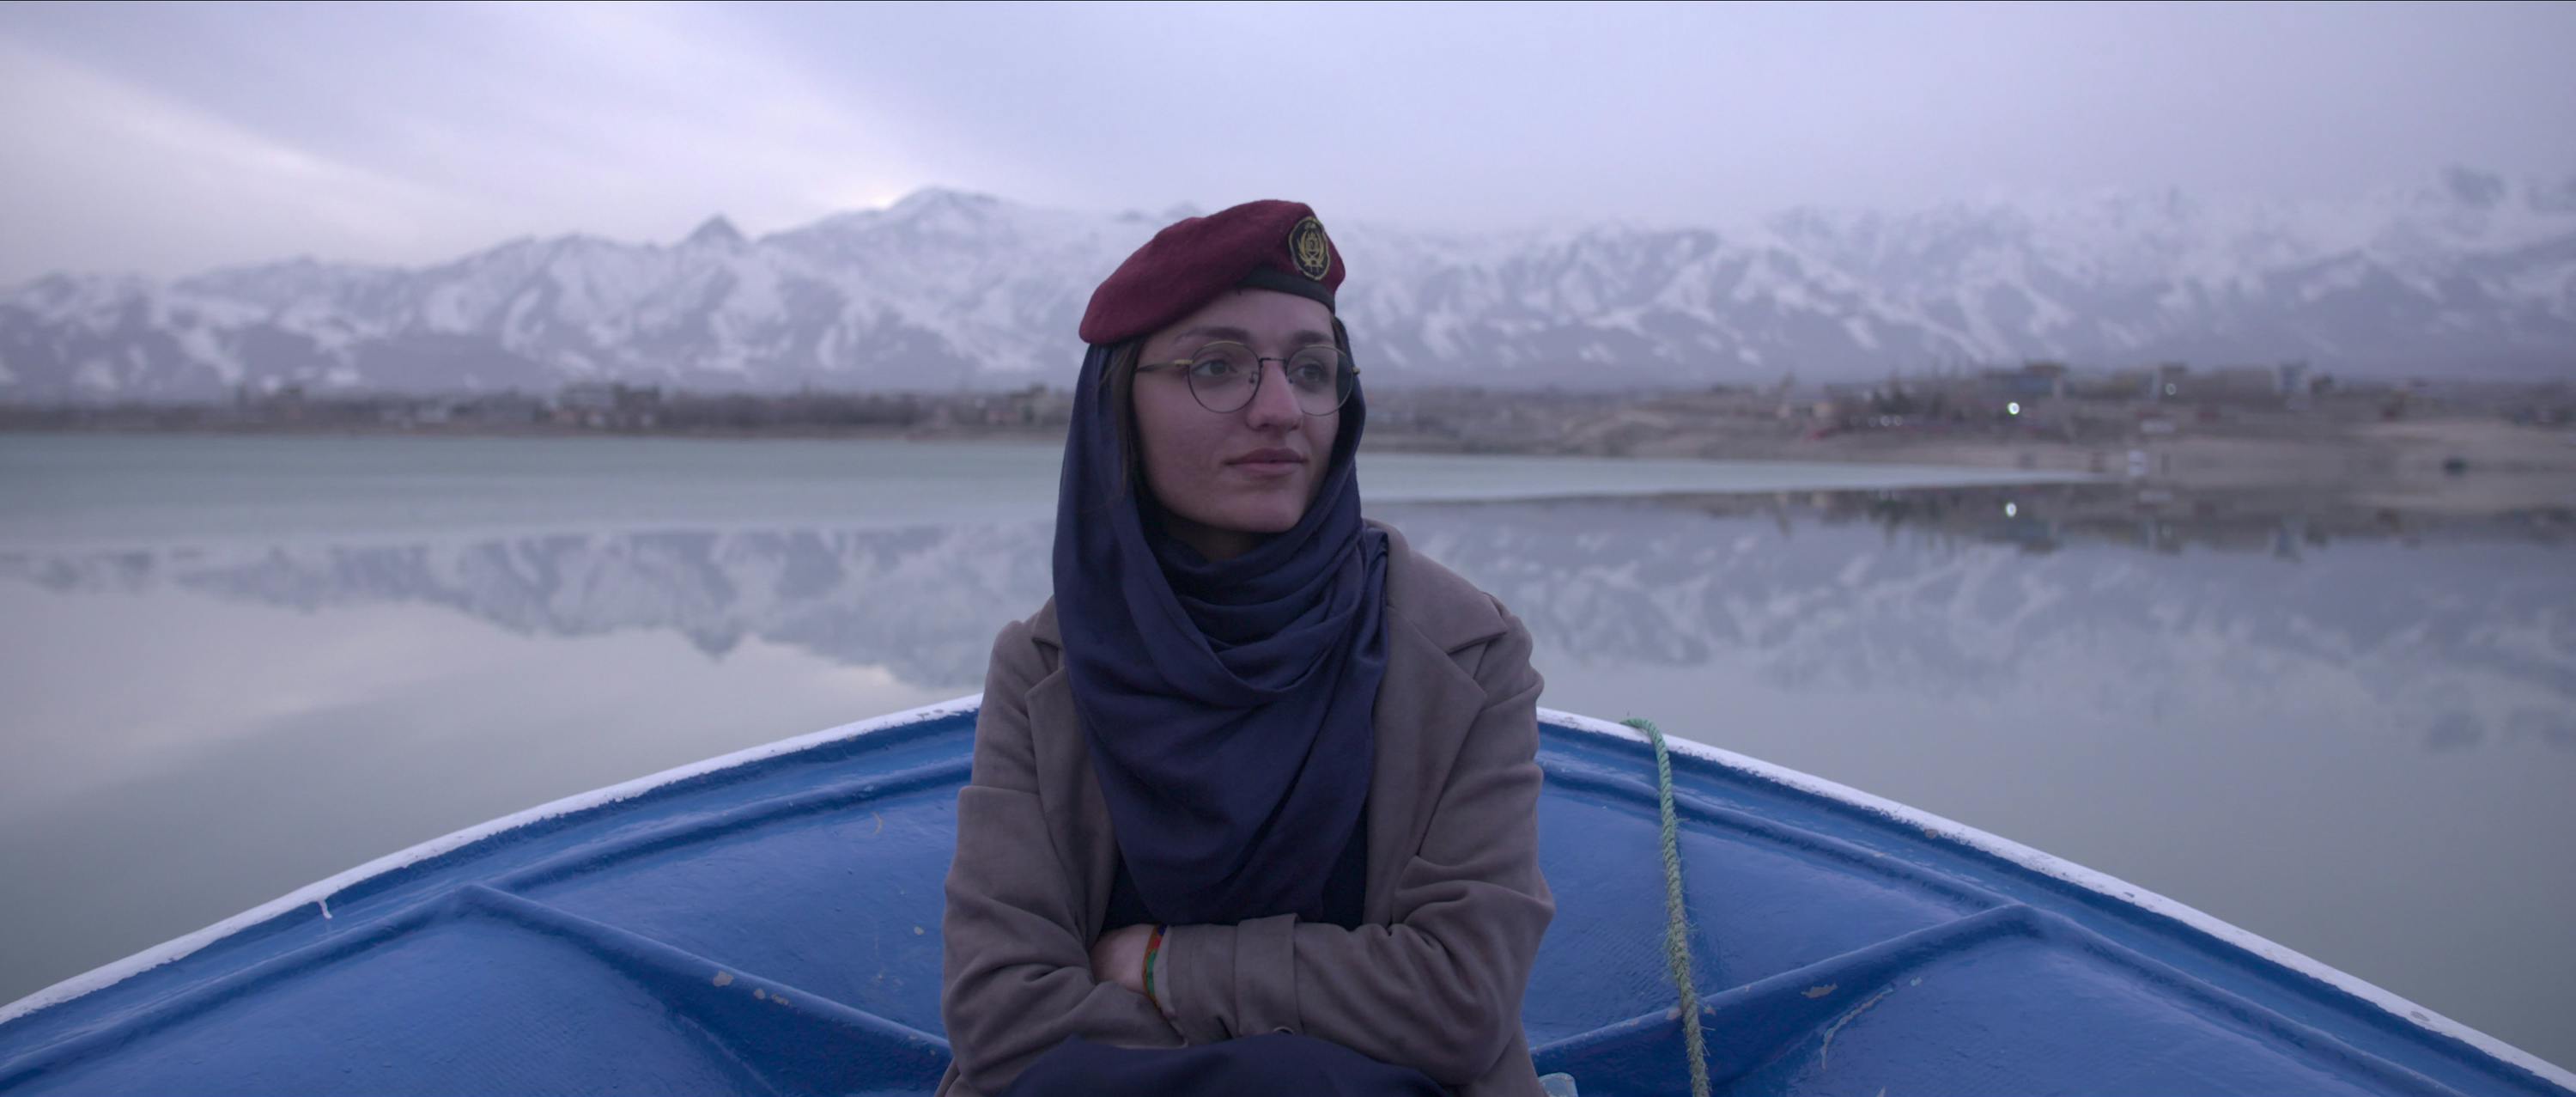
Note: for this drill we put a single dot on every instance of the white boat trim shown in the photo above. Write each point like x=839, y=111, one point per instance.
x=2110, y=887
x=2005, y=849
x=319, y=893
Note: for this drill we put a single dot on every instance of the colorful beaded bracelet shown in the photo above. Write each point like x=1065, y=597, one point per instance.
x=1153, y=945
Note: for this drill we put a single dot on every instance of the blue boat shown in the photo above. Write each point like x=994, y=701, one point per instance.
x=767, y=922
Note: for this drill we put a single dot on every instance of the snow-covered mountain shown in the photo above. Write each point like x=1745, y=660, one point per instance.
x=2473, y=275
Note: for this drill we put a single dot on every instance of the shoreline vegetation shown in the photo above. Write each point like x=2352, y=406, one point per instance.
x=2468, y=448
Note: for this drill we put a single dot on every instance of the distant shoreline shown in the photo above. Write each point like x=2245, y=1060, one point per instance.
x=2373, y=449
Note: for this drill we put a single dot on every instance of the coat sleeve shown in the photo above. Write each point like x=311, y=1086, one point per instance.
x=1438, y=989
x=1015, y=971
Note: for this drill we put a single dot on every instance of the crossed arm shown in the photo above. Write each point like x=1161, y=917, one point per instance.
x=1438, y=989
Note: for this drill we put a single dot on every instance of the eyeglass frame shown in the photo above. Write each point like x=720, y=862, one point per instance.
x=1258, y=373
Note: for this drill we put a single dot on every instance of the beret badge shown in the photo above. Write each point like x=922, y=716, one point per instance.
x=1310, y=249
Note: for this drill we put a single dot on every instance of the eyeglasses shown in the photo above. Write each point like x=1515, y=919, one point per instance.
x=1223, y=376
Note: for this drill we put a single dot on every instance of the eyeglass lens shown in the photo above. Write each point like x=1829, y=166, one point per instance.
x=1224, y=377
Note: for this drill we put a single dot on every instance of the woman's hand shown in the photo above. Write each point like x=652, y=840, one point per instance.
x=1119, y=957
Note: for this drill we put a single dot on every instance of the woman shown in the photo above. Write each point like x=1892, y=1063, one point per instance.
x=1254, y=796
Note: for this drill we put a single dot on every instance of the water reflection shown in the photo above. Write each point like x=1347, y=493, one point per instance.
x=2325, y=723
x=2459, y=628
x=922, y=602
x=1950, y=593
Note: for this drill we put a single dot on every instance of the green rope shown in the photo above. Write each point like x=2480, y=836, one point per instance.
x=1676, y=926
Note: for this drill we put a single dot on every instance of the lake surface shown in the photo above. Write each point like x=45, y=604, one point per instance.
x=237, y=665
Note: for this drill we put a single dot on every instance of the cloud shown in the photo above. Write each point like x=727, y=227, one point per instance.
x=171, y=137
x=632, y=122
x=130, y=179
x=662, y=114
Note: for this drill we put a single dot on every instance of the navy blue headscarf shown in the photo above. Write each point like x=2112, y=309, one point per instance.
x=1227, y=703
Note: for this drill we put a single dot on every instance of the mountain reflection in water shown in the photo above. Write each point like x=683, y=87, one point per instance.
x=2349, y=729
x=1945, y=592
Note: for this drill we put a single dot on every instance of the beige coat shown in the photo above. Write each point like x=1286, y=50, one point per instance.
x=1452, y=914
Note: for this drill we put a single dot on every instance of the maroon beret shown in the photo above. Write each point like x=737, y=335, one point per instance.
x=1265, y=245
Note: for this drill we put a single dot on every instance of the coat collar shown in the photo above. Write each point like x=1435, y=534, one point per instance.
x=1424, y=707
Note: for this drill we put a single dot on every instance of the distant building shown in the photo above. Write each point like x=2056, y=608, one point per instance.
x=2033, y=381
x=499, y=409
x=2290, y=379
x=608, y=405
x=2166, y=382
x=2046, y=379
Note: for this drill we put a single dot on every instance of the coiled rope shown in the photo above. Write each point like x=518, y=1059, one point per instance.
x=1676, y=925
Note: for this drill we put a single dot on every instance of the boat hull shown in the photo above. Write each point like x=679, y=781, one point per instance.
x=768, y=922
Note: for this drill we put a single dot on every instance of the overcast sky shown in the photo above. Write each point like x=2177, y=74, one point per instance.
x=169, y=139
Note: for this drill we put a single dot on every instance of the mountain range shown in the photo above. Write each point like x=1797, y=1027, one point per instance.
x=2469, y=275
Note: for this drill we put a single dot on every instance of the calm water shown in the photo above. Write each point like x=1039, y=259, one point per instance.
x=234, y=666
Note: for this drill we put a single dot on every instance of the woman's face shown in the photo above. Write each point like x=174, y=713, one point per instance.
x=1226, y=479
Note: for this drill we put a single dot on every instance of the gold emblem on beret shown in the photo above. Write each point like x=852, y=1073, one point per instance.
x=1309, y=249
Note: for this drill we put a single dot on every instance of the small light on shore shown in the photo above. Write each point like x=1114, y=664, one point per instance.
x=2011, y=509
x=2013, y=408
